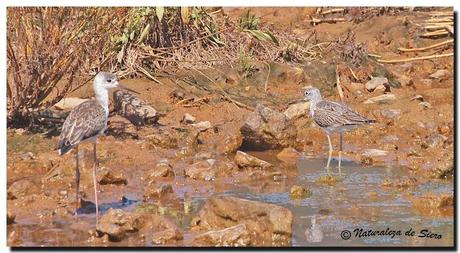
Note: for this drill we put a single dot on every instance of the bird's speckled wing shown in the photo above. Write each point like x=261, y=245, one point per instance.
x=84, y=121
x=331, y=114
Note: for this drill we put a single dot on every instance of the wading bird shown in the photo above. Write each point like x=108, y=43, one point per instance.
x=85, y=123
x=333, y=117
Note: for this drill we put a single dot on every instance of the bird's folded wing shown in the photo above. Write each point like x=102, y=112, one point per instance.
x=331, y=114
x=84, y=121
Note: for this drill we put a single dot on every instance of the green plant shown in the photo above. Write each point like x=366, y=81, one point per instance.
x=246, y=63
x=249, y=23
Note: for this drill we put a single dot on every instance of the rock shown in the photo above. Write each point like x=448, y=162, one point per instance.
x=231, y=143
x=413, y=152
x=444, y=129
x=382, y=99
x=289, y=156
x=28, y=156
x=116, y=223
x=276, y=176
x=390, y=138
x=69, y=103
x=235, y=236
x=268, y=224
x=21, y=188
x=417, y=97
x=202, y=170
x=202, y=126
x=108, y=176
x=168, y=232
x=231, y=77
x=188, y=119
x=162, y=169
x=372, y=156
x=440, y=204
x=391, y=113
x=427, y=82
x=158, y=191
x=267, y=129
x=10, y=217
x=355, y=87
x=297, y=110
x=134, y=109
x=435, y=140
x=425, y=104
x=299, y=192
x=20, y=131
x=167, y=236
x=245, y=161
x=119, y=126
x=440, y=74
x=177, y=95
x=405, y=81
x=444, y=169
x=163, y=139
x=376, y=83
x=203, y=156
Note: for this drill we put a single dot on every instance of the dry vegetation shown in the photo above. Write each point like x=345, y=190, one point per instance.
x=52, y=51
x=50, y=48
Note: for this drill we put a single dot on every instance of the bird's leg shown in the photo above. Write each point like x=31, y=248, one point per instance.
x=330, y=154
x=77, y=181
x=340, y=156
x=95, y=182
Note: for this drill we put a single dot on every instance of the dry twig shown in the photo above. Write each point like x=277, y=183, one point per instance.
x=416, y=58
x=427, y=47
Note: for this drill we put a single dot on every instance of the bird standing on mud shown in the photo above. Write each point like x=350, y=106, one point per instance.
x=333, y=117
x=85, y=123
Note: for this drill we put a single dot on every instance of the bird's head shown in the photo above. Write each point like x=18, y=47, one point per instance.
x=312, y=94
x=106, y=80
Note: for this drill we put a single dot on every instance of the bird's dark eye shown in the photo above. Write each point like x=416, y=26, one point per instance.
x=109, y=80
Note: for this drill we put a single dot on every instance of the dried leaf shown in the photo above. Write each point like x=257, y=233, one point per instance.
x=185, y=14
x=121, y=54
x=159, y=10
x=262, y=36
x=144, y=33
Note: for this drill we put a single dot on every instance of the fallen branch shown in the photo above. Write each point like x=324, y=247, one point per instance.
x=184, y=101
x=425, y=48
x=439, y=20
x=441, y=13
x=375, y=55
x=145, y=72
x=353, y=73
x=435, y=33
x=266, y=79
x=335, y=10
x=316, y=21
x=337, y=81
x=415, y=58
x=239, y=104
x=437, y=26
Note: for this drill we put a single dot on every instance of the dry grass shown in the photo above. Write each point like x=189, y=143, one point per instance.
x=52, y=51
x=47, y=47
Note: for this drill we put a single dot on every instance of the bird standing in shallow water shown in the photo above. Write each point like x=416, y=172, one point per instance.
x=333, y=117
x=85, y=123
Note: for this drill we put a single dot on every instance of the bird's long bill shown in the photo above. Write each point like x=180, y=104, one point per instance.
x=126, y=88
